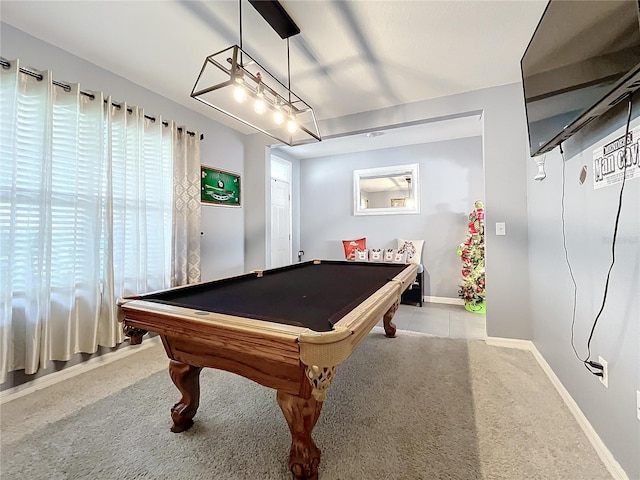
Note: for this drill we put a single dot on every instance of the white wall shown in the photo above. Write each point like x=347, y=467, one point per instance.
x=451, y=180
x=223, y=228
x=589, y=220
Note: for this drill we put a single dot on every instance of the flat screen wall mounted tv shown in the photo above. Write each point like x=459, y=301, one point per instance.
x=583, y=58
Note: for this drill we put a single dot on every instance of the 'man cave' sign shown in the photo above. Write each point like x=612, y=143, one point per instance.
x=609, y=161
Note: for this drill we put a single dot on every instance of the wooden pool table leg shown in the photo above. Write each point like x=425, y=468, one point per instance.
x=187, y=379
x=302, y=415
x=389, y=326
x=135, y=334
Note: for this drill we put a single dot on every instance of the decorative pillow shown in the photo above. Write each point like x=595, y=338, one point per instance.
x=362, y=255
x=375, y=255
x=413, y=249
x=351, y=245
x=399, y=257
x=389, y=253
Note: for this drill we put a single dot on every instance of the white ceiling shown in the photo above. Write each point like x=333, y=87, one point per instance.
x=350, y=57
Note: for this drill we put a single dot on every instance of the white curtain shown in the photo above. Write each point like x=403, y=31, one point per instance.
x=86, y=216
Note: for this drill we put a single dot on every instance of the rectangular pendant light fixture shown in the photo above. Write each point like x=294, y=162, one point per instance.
x=234, y=83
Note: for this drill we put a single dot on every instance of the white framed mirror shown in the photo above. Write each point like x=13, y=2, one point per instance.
x=390, y=190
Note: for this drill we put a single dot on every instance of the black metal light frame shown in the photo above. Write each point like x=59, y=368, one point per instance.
x=234, y=63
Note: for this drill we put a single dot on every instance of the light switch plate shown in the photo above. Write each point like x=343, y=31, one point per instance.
x=501, y=228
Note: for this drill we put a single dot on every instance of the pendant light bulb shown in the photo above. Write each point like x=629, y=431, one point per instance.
x=278, y=116
x=292, y=126
x=239, y=92
x=259, y=106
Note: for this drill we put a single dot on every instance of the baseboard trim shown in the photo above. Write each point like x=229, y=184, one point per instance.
x=510, y=343
x=612, y=465
x=56, y=377
x=447, y=300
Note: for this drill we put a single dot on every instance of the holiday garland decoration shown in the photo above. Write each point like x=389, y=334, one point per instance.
x=472, y=252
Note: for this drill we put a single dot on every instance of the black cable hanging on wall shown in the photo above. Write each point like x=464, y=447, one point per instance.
x=593, y=367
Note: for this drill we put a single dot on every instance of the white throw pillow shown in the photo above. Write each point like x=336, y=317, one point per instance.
x=388, y=255
x=362, y=255
x=375, y=255
x=413, y=249
x=400, y=257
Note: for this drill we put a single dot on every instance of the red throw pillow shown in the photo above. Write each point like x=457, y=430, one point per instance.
x=350, y=247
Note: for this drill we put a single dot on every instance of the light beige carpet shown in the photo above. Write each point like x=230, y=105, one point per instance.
x=414, y=407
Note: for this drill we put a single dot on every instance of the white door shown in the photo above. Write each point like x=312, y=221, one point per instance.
x=280, y=223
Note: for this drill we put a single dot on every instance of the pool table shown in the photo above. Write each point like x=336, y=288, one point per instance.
x=286, y=328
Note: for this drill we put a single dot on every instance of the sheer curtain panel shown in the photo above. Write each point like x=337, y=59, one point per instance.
x=186, y=213
x=86, y=215
x=137, y=255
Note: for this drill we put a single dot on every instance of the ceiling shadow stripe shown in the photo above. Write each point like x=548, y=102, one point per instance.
x=363, y=45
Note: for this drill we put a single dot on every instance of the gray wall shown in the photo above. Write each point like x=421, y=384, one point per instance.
x=257, y=198
x=589, y=220
x=451, y=180
x=505, y=165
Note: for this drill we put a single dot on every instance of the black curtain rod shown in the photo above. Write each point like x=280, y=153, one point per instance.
x=6, y=64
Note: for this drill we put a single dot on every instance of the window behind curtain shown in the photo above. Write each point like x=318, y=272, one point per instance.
x=85, y=217
x=141, y=189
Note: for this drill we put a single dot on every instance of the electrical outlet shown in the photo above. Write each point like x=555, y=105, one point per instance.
x=638, y=403
x=604, y=379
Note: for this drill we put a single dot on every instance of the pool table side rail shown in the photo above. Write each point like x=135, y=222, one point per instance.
x=315, y=350
x=214, y=329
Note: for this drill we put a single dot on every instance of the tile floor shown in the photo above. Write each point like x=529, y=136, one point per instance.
x=441, y=320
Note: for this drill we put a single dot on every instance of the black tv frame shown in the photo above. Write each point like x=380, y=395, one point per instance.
x=619, y=91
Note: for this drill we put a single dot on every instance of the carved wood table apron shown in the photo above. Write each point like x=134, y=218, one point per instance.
x=286, y=328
